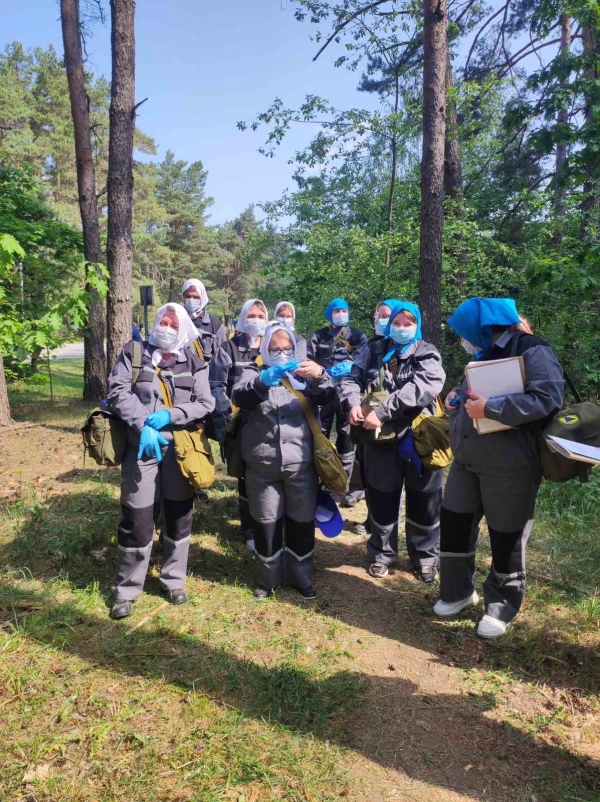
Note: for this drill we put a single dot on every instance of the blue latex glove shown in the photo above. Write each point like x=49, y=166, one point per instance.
x=339, y=370
x=150, y=443
x=272, y=376
x=158, y=420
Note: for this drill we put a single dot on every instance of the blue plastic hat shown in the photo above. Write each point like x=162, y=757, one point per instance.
x=474, y=318
x=327, y=516
x=337, y=303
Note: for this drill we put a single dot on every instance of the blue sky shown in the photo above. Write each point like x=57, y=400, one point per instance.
x=204, y=65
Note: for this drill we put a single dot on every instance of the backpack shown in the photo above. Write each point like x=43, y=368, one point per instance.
x=579, y=423
x=104, y=433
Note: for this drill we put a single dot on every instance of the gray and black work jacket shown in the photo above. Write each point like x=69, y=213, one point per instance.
x=301, y=347
x=225, y=371
x=413, y=380
x=513, y=449
x=212, y=334
x=329, y=346
x=187, y=377
x=275, y=428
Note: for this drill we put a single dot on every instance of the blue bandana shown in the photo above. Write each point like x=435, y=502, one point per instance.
x=337, y=303
x=403, y=306
x=473, y=320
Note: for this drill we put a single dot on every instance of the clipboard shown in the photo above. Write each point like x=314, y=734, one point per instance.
x=495, y=378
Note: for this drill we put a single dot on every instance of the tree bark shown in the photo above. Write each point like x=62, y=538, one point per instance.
x=390, y=209
x=120, y=177
x=453, y=183
x=591, y=199
x=94, y=364
x=435, y=57
x=5, y=419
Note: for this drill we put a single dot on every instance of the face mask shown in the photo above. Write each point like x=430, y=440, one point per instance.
x=255, y=327
x=340, y=318
x=281, y=358
x=471, y=349
x=402, y=336
x=192, y=305
x=286, y=321
x=165, y=337
x=381, y=324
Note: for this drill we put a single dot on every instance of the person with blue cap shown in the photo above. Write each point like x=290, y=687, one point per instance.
x=278, y=449
x=225, y=371
x=495, y=475
x=408, y=375
x=337, y=347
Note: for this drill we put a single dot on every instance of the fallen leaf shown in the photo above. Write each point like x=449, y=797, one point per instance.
x=468, y=767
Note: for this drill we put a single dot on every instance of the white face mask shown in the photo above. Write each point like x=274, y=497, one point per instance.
x=381, y=325
x=192, y=305
x=165, y=337
x=255, y=327
x=281, y=359
x=401, y=336
x=286, y=321
x=471, y=349
x=339, y=318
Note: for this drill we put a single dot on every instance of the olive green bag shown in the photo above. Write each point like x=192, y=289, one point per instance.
x=104, y=433
x=192, y=448
x=327, y=463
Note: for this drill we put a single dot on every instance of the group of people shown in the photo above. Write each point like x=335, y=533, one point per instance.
x=273, y=378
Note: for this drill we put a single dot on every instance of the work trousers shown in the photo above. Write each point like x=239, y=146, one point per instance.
x=508, y=503
x=283, y=503
x=386, y=475
x=334, y=412
x=146, y=485
x=246, y=522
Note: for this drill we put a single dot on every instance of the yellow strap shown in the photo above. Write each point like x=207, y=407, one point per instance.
x=306, y=407
x=165, y=390
x=198, y=348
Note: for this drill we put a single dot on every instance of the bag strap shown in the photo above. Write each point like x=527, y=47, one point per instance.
x=198, y=348
x=570, y=383
x=136, y=361
x=165, y=390
x=306, y=407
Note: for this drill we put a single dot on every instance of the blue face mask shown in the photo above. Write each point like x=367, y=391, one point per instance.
x=402, y=336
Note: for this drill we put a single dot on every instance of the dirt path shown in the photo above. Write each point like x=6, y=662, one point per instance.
x=445, y=716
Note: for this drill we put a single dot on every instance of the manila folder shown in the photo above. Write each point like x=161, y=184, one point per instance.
x=495, y=379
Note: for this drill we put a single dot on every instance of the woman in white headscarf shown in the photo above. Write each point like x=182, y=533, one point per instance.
x=233, y=356
x=277, y=447
x=211, y=331
x=150, y=474
x=285, y=313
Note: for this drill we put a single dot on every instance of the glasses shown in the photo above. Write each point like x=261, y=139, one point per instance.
x=278, y=351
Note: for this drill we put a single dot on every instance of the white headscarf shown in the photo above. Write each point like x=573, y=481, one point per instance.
x=241, y=324
x=200, y=289
x=297, y=384
x=286, y=303
x=187, y=331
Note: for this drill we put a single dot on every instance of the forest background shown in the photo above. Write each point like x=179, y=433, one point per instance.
x=521, y=171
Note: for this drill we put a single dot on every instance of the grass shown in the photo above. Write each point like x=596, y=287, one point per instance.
x=227, y=699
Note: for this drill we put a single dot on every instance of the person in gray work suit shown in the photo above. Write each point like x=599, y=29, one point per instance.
x=225, y=371
x=277, y=446
x=411, y=372
x=497, y=474
x=150, y=475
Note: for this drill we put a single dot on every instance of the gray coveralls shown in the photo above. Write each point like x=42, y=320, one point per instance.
x=277, y=446
x=225, y=371
x=414, y=379
x=327, y=348
x=212, y=333
x=497, y=475
x=146, y=483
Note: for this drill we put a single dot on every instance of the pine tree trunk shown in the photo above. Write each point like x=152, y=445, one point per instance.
x=591, y=200
x=453, y=183
x=435, y=56
x=94, y=365
x=392, y=191
x=120, y=177
x=5, y=419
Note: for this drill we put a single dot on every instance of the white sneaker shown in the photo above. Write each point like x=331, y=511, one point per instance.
x=491, y=627
x=447, y=609
x=250, y=545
